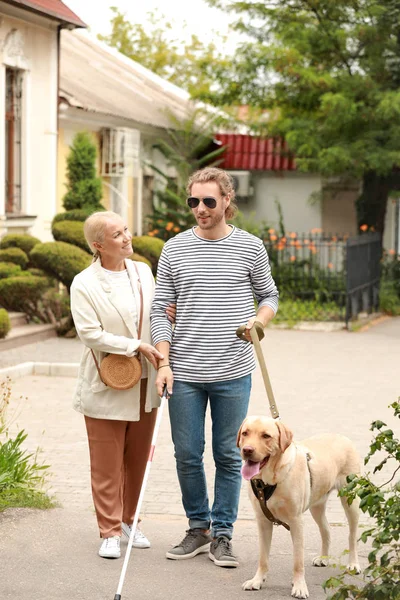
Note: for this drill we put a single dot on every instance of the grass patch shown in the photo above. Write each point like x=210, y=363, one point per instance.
x=291, y=311
x=20, y=498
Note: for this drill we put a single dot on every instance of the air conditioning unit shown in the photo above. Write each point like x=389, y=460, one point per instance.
x=120, y=152
x=242, y=184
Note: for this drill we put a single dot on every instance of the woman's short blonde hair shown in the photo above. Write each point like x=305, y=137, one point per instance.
x=94, y=228
x=225, y=184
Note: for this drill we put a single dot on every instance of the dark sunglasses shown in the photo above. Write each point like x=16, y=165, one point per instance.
x=208, y=201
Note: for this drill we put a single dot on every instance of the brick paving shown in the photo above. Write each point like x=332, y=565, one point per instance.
x=322, y=382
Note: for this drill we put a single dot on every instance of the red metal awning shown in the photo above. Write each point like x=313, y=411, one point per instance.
x=250, y=153
x=54, y=9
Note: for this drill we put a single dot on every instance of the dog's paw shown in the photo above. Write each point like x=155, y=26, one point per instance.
x=253, y=584
x=299, y=589
x=320, y=561
x=354, y=568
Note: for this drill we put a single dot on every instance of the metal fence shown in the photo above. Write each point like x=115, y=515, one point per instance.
x=338, y=273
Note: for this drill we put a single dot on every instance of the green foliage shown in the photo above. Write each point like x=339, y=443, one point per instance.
x=140, y=258
x=5, y=323
x=84, y=187
x=188, y=147
x=60, y=260
x=148, y=247
x=251, y=224
x=381, y=578
x=79, y=214
x=21, y=475
x=18, y=240
x=292, y=311
x=192, y=64
x=324, y=75
x=14, y=255
x=389, y=300
x=70, y=232
x=8, y=269
x=25, y=294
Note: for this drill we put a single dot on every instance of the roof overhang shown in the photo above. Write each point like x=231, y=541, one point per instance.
x=52, y=9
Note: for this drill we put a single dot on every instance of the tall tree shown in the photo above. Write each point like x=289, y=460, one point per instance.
x=192, y=64
x=326, y=76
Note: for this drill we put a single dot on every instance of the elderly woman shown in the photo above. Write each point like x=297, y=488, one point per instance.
x=105, y=304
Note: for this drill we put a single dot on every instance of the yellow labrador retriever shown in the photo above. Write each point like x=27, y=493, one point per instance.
x=304, y=475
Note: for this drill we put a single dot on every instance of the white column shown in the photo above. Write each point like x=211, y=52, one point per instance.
x=138, y=201
x=26, y=145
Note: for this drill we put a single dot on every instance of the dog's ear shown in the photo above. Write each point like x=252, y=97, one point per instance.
x=239, y=434
x=285, y=436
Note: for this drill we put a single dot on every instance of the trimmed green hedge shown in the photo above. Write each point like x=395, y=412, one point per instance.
x=70, y=232
x=79, y=214
x=60, y=260
x=14, y=255
x=139, y=258
x=19, y=240
x=149, y=247
x=8, y=269
x=22, y=294
x=5, y=323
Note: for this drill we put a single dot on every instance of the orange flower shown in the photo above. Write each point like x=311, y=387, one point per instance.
x=176, y=229
x=334, y=238
x=330, y=265
x=283, y=240
x=271, y=231
x=280, y=246
x=316, y=230
x=298, y=244
x=392, y=252
x=169, y=226
x=364, y=227
x=273, y=238
x=293, y=235
x=150, y=233
x=306, y=242
x=292, y=258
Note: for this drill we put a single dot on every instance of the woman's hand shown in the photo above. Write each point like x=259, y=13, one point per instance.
x=165, y=377
x=151, y=353
x=171, y=312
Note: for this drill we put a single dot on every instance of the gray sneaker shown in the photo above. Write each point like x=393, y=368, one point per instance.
x=221, y=552
x=194, y=542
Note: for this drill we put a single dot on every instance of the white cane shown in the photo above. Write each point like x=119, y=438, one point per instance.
x=141, y=495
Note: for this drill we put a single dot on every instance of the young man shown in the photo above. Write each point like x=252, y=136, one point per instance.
x=212, y=272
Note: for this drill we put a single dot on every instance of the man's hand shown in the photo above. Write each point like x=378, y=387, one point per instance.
x=165, y=377
x=171, y=312
x=249, y=325
x=151, y=353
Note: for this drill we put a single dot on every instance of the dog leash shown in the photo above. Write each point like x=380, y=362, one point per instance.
x=257, y=334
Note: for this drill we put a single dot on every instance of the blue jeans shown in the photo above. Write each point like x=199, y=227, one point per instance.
x=229, y=401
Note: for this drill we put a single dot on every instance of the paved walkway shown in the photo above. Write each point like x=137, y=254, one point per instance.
x=322, y=382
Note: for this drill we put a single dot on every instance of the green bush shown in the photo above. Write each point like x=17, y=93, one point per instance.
x=380, y=580
x=8, y=269
x=14, y=255
x=391, y=271
x=19, y=240
x=149, y=247
x=37, y=272
x=70, y=232
x=60, y=260
x=5, y=324
x=79, y=214
x=84, y=188
x=139, y=258
x=24, y=294
x=389, y=301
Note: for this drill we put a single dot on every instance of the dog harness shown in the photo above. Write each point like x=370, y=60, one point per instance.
x=263, y=492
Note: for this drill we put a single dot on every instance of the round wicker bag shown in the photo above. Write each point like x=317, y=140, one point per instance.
x=120, y=372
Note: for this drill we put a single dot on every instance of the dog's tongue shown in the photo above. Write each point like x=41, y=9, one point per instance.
x=250, y=468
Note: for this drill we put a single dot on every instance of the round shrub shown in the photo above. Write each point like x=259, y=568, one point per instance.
x=5, y=324
x=140, y=258
x=22, y=294
x=70, y=232
x=8, y=269
x=60, y=260
x=19, y=240
x=79, y=214
x=37, y=272
x=14, y=255
x=149, y=247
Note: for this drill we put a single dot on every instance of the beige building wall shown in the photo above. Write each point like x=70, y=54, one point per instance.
x=32, y=48
x=339, y=211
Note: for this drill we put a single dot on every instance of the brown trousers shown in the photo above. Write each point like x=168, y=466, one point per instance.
x=119, y=451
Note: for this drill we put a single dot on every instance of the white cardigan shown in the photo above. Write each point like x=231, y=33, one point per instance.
x=104, y=323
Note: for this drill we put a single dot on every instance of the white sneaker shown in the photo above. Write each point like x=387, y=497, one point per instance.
x=139, y=539
x=110, y=547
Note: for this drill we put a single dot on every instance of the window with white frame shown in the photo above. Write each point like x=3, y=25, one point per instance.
x=13, y=141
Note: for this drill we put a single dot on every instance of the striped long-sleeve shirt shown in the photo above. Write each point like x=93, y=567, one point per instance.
x=213, y=283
